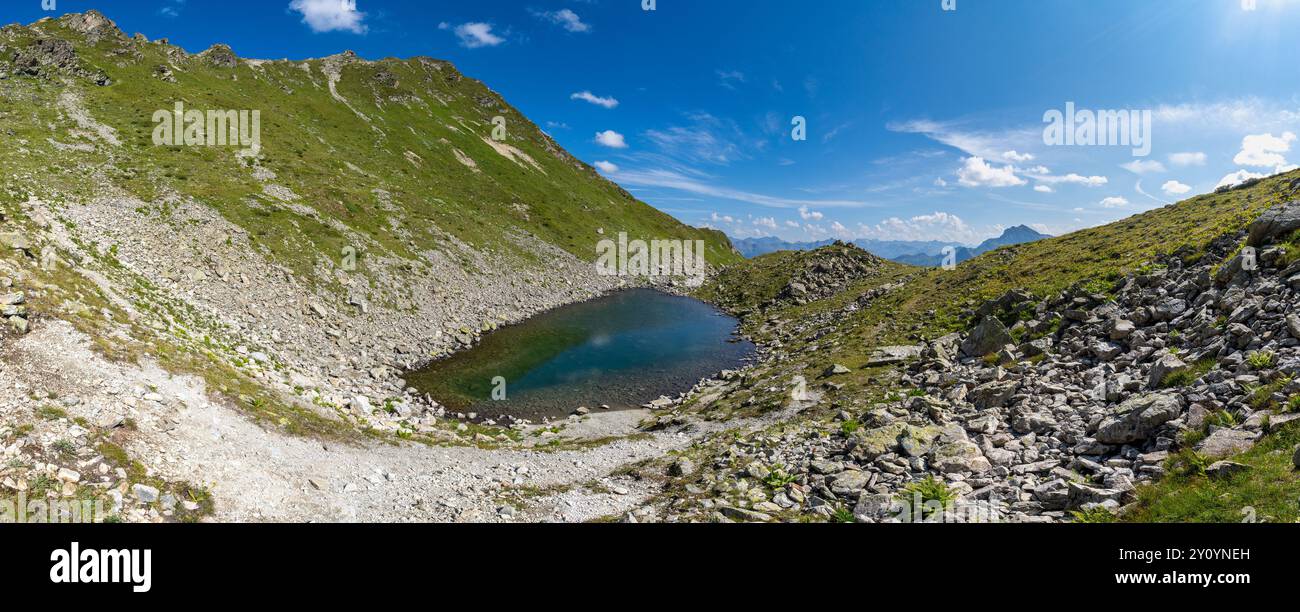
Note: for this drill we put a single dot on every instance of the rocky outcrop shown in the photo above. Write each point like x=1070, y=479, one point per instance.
x=1277, y=222
x=990, y=336
x=220, y=56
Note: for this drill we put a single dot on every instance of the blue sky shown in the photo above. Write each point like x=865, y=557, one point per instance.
x=922, y=123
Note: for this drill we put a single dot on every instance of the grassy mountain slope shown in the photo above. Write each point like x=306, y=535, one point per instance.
x=411, y=128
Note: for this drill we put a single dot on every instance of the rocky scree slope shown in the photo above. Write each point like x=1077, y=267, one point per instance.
x=1151, y=379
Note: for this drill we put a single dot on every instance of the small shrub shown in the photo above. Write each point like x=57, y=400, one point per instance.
x=1185, y=377
x=850, y=426
x=842, y=515
x=1223, y=418
x=1262, y=360
x=1293, y=404
x=51, y=413
x=1098, y=514
x=777, y=478
x=65, y=448
x=930, y=489
x=1189, y=463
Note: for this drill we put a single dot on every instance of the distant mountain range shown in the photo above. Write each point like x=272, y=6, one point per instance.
x=916, y=253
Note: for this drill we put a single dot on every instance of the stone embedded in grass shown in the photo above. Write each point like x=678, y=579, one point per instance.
x=835, y=370
x=1225, y=469
x=889, y=355
x=1226, y=442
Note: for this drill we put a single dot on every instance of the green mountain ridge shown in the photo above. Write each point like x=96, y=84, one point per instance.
x=334, y=130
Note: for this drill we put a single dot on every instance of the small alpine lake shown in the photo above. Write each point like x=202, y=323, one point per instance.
x=622, y=350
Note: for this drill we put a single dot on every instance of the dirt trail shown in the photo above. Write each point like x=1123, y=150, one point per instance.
x=260, y=475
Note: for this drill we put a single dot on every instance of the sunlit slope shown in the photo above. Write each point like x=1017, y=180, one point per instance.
x=399, y=150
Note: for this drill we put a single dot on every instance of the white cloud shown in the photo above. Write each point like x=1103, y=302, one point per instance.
x=793, y=224
x=607, y=167
x=939, y=182
x=611, y=139
x=1042, y=189
x=940, y=226
x=809, y=215
x=1043, y=175
x=1175, y=188
x=1143, y=166
x=1019, y=158
x=1114, y=202
x=565, y=18
x=1187, y=159
x=330, y=15
x=767, y=222
x=1237, y=178
x=587, y=96
x=1264, y=150
x=975, y=172
x=476, y=35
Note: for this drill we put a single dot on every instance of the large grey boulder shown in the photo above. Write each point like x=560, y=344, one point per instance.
x=995, y=394
x=962, y=456
x=1080, y=495
x=990, y=336
x=1276, y=222
x=1136, y=419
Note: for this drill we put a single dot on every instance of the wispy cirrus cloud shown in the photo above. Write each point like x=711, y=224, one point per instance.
x=986, y=145
x=172, y=8
x=705, y=139
x=702, y=185
x=564, y=18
